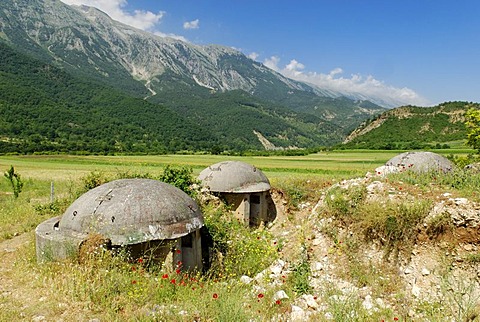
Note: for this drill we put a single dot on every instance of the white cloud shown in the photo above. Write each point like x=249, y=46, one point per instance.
x=194, y=24
x=253, y=56
x=272, y=63
x=145, y=20
x=356, y=84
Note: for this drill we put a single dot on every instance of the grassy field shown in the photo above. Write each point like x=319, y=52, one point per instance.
x=111, y=290
x=62, y=167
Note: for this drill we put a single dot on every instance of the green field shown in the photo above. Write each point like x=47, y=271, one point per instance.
x=61, y=167
x=109, y=289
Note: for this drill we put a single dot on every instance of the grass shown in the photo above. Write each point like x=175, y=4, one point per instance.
x=107, y=287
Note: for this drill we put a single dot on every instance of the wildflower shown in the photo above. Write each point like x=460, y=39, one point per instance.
x=140, y=260
x=177, y=271
x=134, y=282
x=260, y=295
x=215, y=295
x=173, y=281
x=164, y=276
x=178, y=251
x=278, y=302
x=179, y=263
x=395, y=319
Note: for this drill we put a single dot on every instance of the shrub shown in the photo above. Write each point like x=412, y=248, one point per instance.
x=15, y=181
x=180, y=177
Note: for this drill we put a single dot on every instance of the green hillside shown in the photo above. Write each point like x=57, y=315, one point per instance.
x=412, y=127
x=44, y=108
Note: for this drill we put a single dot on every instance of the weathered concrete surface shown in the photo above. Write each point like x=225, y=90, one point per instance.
x=419, y=161
x=234, y=177
x=126, y=212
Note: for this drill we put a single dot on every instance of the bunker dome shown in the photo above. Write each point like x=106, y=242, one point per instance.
x=420, y=161
x=244, y=187
x=140, y=214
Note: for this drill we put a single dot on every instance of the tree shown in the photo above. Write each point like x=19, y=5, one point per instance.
x=472, y=123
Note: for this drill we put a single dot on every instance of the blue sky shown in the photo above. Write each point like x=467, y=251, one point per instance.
x=420, y=52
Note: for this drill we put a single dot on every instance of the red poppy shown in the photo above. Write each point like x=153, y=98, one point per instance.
x=179, y=263
x=173, y=281
x=178, y=251
x=278, y=302
x=140, y=260
x=177, y=271
x=260, y=295
x=395, y=319
x=165, y=276
x=215, y=295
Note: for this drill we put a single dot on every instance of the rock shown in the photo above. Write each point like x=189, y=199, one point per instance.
x=316, y=242
x=367, y=303
x=298, y=314
x=425, y=272
x=309, y=301
x=461, y=201
x=245, y=279
x=416, y=291
x=38, y=318
x=277, y=266
x=468, y=247
x=280, y=295
x=408, y=270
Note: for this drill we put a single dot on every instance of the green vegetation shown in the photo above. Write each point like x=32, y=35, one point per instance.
x=410, y=128
x=111, y=288
x=15, y=181
x=473, y=127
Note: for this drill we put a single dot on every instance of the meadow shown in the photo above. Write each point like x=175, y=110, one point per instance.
x=109, y=289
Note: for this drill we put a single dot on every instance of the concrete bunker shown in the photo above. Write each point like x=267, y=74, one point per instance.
x=243, y=187
x=146, y=217
x=420, y=161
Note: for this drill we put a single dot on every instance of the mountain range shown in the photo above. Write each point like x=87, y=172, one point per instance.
x=94, y=81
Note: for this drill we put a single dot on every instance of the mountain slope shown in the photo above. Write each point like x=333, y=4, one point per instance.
x=409, y=126
x=45, y=109
x=239, y=102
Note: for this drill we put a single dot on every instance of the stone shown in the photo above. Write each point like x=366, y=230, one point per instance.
x=416, y=291
x=298, y=314
x=367, y=303
x=309, y=301
x=425, y=272
x=246, y=279
x=277, y=266
x=408, y=270
x=280, y=295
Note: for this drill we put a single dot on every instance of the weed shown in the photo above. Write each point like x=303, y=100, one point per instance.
x=300, y=277
x=15, y=181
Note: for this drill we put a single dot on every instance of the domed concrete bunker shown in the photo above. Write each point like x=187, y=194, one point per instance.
x=244, y=187
x=139, y=214
x=420, y=161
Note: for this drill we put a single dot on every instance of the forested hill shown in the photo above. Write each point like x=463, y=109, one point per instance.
x=412, y=127
x=44, y=108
